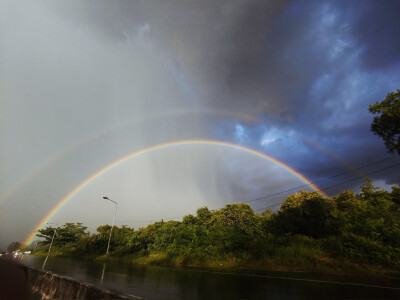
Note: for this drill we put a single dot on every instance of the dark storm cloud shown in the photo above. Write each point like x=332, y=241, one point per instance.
x=256, y=56
x=331, y=70
x=219, y=43
x=377, y=30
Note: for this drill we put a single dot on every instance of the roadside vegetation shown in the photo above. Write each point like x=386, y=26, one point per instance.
x=348, y=233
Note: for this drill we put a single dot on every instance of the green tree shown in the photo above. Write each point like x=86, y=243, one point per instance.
x=164, y=236
x=120, y=240
x=204, y=215
x=346, y=200
x=387, y=124
x=367, y=189
x=68, y=233
x=235, y=227
x=46, y=234
x=371, y=231
x=297, y=199
x=307, y=213
x=238, y=215
x=13, y=246
x=395, y=194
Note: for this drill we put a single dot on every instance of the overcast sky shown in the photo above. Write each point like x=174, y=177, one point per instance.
x=84, y=83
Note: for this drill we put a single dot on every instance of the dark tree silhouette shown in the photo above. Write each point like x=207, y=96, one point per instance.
x=387, y=124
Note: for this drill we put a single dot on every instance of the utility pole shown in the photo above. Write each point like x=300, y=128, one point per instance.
x=54, y=234
x=52, y=239
x=115, y=213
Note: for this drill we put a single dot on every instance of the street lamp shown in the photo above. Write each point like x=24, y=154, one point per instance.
x=115, y=213
x=54, y=234
x=36, y=246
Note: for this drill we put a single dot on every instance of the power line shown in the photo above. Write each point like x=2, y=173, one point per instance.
x=123, y=221
x=291, y=189
x=268, y=206
x=344, y=182
x=144, y=221
x=321, y=180
x=388, y=167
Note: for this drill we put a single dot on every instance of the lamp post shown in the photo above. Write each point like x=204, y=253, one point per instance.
x=115, y=213
x=54, y=234
x=52, y=239
x=36, y=246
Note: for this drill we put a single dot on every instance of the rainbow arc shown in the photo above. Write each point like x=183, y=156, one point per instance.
x=158, y=147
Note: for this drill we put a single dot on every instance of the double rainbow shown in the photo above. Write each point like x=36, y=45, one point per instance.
x=166, y=114
x=102, y=171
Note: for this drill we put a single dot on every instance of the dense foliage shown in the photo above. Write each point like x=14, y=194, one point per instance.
x=387, y=123
x=362, y=228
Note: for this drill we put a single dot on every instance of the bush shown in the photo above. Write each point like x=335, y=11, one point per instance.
x=350, y=245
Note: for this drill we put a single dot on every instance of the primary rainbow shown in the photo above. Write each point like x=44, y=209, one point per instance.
x=159, y=147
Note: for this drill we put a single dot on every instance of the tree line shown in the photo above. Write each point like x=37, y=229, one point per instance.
x=362, y=227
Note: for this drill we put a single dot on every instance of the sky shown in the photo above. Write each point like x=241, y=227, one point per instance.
x=85, y=83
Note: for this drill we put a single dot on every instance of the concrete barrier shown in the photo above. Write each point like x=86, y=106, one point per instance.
x=39, y=284
x=53, y=286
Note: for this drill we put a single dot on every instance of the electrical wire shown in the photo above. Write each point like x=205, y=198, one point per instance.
x=321, y=180
x=298, y=187
x=344, y=182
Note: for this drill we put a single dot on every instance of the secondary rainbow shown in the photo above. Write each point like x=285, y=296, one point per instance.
x=166, y=114
x=160, y=147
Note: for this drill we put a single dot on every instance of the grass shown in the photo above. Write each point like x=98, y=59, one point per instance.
x=294, y=254
x=306, y=263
